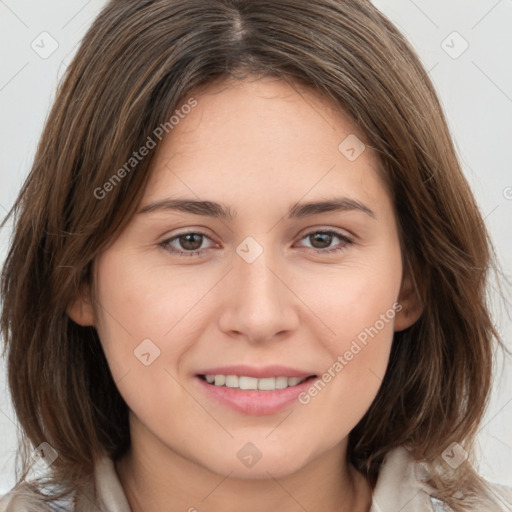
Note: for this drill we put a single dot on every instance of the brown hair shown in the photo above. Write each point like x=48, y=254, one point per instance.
x=136, y=64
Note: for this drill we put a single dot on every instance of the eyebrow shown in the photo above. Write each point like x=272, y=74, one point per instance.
x=218, y=210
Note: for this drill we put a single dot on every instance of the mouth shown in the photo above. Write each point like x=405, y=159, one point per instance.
x=253, y=391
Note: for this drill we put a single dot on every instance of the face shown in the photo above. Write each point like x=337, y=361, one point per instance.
x=262, y=332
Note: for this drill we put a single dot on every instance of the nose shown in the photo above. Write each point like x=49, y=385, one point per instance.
x=261, y=305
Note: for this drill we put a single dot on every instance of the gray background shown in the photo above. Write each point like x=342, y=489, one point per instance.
x=474, y=84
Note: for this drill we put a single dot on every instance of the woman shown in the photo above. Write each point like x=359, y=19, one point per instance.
x=178, y=335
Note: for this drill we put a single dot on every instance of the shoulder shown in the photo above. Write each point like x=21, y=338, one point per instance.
x=102, y=492
x=401, y=485
x=500, y=494
x=23, y=498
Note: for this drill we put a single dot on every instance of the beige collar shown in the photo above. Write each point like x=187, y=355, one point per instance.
x=399, y=485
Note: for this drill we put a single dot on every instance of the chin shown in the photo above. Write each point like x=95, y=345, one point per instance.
x=252, y=464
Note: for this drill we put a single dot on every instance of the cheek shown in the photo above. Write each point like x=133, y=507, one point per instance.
x=344, y=392
x=140, y=312
x=354, y=300
x=359, y=306
x=141, y=322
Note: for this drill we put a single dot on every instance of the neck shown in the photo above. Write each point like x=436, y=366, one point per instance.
x=158, y=479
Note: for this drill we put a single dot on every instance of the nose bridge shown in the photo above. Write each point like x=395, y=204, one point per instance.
x=261, y=305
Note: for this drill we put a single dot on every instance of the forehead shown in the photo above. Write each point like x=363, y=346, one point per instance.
x=262, y=136
x=262, y=110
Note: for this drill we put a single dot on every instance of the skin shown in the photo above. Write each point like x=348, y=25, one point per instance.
x=258, y=146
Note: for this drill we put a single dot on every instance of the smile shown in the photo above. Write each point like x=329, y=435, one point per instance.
x=253, y=391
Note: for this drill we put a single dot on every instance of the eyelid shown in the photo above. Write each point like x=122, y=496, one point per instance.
x=338, y=231
x=308, y=231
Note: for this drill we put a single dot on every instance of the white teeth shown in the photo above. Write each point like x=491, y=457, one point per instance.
x=267, y=384
x=281, y=382
x=231, y=381
x=247, y=383
x=252, y=383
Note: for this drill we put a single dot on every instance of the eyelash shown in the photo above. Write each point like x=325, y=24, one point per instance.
x=166, y=243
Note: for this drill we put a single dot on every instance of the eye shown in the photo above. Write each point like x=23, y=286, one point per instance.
x=189, y=243
x=322, y=239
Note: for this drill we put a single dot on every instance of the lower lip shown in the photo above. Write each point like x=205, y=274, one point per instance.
x=253, y=402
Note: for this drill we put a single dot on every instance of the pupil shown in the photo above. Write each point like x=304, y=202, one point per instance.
x=189, y=241
x=318, y=237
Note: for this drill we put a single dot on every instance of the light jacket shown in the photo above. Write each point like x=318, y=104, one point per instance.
x=399, y=487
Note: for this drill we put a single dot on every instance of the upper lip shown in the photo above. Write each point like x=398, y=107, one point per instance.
x=259, y=373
